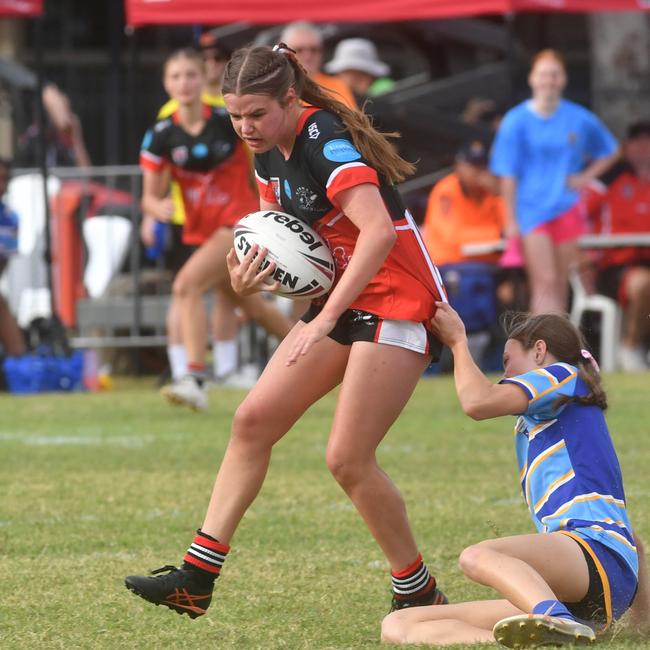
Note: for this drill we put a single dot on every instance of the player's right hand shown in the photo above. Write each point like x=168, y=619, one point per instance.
x=251, y=275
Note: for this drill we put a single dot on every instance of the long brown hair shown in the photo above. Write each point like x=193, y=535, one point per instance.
x=262, y=71
x=564, y=341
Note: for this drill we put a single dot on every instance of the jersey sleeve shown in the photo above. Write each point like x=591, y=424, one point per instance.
x=263, y=180
x=505, y=154
x=599, y=142
x=152, y=149
x=333, y=160
x=544, y=386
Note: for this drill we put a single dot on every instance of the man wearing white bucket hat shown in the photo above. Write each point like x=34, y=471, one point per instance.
x=357, y=64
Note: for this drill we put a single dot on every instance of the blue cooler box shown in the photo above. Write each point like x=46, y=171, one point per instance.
x=39, y=373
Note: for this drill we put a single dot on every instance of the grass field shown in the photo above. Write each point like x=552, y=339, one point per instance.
x=97, y=486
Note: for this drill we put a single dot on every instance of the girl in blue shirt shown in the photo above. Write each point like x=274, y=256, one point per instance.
x=546, y=150
x=580, y=571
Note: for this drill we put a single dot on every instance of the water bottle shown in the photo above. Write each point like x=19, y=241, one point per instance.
x=160, y=233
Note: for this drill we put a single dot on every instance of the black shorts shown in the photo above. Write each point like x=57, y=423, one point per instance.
x=177, y=253
x=603, y=604
x=356, y=325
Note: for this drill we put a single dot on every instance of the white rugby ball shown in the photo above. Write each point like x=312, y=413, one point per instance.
x=304, y=264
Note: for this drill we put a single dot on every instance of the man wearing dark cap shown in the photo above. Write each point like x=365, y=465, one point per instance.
x=623, y=207
x=464, y=208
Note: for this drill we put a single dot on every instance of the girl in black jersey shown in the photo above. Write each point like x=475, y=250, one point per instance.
x=326, y=165
x=197, y=145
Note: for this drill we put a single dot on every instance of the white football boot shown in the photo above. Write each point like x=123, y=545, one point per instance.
x=534, y=630
x=187, y=392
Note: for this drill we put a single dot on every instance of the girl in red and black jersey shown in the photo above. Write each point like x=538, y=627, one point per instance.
x=198, y=147
x=325, y=164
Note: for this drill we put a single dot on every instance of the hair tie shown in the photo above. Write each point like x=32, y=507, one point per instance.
x=283, y=48
x=589, y=357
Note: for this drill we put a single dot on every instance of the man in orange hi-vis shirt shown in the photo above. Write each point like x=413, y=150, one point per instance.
x=464, y=209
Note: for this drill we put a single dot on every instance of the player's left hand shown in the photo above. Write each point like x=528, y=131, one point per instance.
x=447, y=325
x=311, y=333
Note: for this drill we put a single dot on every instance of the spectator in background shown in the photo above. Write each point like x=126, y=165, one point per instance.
x=623, y=207
x=464, y=208
x=547, y=150
x=65, y=146
x=357, y=64
x=307, y=42
x=11, y=338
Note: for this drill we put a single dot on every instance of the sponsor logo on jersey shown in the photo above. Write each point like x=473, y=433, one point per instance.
x=312, y=131
x=275, y=186
x=572, y=137
x=287, y=188
x=341, y=151
x=341, y=258
x=200, y=150
x=306, y=198
x=179, y=155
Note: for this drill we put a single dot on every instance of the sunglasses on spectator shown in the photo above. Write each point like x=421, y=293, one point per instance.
x=314, y=49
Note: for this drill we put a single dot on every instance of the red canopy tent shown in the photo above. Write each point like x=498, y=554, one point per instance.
x=209, y=12
x=21, y=7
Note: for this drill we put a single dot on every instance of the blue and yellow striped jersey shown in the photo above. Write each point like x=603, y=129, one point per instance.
x=568, y=468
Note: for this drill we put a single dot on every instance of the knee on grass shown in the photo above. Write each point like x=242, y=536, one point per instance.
x=395, y=628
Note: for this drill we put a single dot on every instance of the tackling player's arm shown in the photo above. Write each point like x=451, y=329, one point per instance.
x=478, y=396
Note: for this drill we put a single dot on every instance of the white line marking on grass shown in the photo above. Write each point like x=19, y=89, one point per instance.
x=98, y=441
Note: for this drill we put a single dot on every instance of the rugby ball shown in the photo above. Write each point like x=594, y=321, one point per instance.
x=304, y=264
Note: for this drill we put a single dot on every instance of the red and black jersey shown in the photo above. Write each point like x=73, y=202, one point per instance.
x=622, y=208
x=324, y=162
x=211, y=168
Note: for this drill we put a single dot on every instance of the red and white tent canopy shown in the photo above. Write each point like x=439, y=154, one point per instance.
x=264, y=12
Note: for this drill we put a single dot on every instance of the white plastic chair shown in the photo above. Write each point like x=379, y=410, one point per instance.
x=107, y=240
x=610, y=314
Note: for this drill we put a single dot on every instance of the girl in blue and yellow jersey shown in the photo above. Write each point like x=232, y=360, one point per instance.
x=580, y=572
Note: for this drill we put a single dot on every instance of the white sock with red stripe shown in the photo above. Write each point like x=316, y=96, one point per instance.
x=206, y=556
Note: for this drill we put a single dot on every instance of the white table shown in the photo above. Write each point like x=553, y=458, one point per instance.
x=586, y=241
